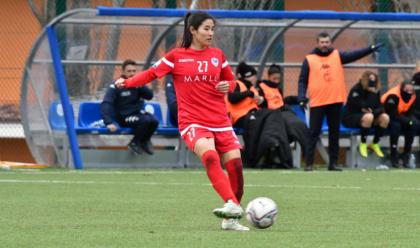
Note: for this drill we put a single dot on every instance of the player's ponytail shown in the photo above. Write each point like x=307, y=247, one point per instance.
x=193, y=20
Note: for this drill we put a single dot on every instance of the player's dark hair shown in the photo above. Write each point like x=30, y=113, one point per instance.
x=193, y=20
x=128, y=62
x=322, y=35
x=274, y=69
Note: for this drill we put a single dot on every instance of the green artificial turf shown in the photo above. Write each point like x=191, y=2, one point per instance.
x=172, y=208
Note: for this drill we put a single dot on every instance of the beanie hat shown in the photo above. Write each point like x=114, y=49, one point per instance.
x=245, y=70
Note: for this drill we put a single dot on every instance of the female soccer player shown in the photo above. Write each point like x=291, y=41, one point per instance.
x=202, y=76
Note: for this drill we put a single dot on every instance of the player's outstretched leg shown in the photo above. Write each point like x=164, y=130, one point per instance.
x=234, y=169
x=221, y=184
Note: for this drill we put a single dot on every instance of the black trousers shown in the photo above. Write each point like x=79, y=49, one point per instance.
x=298, y=131
x=395, y=129
x=317, y=114
x=144, y=125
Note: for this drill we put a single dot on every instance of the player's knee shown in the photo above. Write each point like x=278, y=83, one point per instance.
x=210, y=157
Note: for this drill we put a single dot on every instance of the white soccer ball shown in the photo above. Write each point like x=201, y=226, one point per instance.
x=261, y=212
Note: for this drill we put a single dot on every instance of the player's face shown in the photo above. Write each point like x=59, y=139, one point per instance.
x=203, y=36
x=324, y=43
x=129, y=71
x=275, y=78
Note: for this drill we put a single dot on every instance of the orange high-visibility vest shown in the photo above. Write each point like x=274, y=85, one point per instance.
x=403, y=107
x=238, y=110
x=326, y=79
x=272, y=96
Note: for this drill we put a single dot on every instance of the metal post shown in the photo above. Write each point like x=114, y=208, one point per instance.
x=64, y=97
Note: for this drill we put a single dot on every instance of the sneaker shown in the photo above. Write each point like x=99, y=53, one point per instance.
x=363, y=150
x=229, y=210
x=147, y=147
x=233, y=224
x=376, y=149
x=333, y=167
x=405, y=157
x=134, y=147
x=394, y=161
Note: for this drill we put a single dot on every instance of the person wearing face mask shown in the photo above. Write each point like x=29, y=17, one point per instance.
x=322, y=77
x=398, y=103
x=415, y=80
x=264, y=130
x=364, y=110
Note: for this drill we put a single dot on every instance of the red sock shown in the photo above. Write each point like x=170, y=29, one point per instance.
x=218, y=178
x=236, y=178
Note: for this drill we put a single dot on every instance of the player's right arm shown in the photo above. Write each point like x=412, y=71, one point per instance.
x=158, y=70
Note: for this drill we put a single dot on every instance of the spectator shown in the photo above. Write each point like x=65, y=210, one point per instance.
x=296, y=128
x=322, y=75
x=172, y=103
x=398, y=102
x=264, y=131
x=364, y=110
x=124, y=107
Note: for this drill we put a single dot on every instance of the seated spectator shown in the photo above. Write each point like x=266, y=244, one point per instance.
x=296, y=128
x=264, y=131
x=398, y=102
x=172, y=103
x=124, y=107
x=364, y=110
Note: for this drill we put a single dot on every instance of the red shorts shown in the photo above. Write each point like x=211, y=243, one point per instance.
x=224, y=141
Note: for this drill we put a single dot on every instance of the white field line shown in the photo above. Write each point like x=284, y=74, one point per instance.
x=187, y=171
x=24, y=181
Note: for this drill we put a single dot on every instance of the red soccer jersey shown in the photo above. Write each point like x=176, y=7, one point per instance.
x=195, y=74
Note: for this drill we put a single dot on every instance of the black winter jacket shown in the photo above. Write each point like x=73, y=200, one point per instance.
x=120, y=103
x=359, y=98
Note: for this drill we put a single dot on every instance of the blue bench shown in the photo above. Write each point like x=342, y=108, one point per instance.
x=90, y=120
x=92, y=132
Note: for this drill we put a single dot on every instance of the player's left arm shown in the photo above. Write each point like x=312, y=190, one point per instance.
x=226, y=74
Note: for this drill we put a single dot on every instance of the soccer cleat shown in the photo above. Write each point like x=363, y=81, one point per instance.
x=229, y=210
x=363, y=150
x=233, y=224
x=376, y=149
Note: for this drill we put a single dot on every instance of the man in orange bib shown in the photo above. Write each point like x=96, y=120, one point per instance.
x=398, y=103
x=322, y=77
